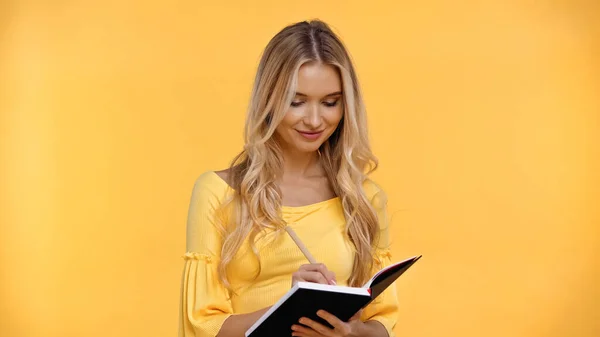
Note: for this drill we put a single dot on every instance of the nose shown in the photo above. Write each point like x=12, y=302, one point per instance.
x=313, y=118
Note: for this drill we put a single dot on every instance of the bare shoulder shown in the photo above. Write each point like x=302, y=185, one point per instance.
x=224, y=174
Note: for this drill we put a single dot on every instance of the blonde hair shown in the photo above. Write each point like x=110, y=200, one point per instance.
x=346, y=156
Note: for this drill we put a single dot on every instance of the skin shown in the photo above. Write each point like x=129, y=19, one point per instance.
x=317, y=107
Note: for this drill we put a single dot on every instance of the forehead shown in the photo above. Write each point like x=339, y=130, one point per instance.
x=317, y=79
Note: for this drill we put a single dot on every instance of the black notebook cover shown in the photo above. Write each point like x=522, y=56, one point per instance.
x=305, y=299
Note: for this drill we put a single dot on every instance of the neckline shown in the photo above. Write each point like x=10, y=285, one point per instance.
x=285, y=207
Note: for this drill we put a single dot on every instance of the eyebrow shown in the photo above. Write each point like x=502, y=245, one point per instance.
x=328, y=95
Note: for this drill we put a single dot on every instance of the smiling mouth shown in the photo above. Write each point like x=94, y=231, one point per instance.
x=310, y=134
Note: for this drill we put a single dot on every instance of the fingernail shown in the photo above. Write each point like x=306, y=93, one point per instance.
x=333, y=282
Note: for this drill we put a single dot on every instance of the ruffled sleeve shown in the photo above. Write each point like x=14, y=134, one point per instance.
x=204, y=301
x=385, y=308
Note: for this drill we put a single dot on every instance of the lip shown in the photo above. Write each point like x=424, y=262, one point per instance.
x=312, y=135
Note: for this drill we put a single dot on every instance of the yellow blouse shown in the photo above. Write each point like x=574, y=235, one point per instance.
x=205, y=303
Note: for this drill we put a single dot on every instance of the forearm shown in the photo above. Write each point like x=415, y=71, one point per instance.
x=236, y=325
x=373, y=329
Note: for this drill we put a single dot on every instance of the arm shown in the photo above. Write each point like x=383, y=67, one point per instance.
x=384, y=310
x=205, y=307
x=374, y=329
x=236, y=325
x=204, y=302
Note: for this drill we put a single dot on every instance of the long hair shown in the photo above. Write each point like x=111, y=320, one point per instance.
x=346, y=155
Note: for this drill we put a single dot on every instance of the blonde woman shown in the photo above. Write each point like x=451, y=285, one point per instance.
x=304, y=166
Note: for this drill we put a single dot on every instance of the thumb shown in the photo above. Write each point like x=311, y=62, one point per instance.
x=357, y=315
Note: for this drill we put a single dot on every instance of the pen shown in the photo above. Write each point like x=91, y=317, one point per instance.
x=300, y=245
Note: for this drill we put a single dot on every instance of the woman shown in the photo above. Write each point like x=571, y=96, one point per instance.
x=304, y=166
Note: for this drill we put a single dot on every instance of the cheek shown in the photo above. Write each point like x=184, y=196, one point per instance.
x=293, y=117
x=289, y=119
x=334, y=116
x=287, y=123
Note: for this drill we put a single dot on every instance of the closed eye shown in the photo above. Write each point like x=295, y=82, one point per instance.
x=327, y=104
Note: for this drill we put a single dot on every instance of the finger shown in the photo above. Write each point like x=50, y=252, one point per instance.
x=356, y=316
x=302, y=331
x=299, y=334
x=311, y=276
x=338, y=324
x=321, y=268
x=318, y=327
x=312, y=267
x=329, y=275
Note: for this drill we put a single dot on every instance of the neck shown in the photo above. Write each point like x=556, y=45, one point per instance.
x=301, y=164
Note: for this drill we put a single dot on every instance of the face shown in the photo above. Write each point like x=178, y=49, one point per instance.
x=315, y=111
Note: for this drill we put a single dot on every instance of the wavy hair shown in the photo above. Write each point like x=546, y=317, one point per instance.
x=346, y=155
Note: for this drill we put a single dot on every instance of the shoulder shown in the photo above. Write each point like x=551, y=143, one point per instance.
x=375, y=193
x=210, y=184
x=378, y=200
x=203, y=220
x=224, y=175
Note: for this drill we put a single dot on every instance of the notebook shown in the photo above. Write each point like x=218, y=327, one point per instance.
x=304, y=299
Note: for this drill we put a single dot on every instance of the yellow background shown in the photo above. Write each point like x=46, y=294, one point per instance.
x=485, y=116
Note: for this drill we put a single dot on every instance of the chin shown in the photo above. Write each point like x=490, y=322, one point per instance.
x=308, y=147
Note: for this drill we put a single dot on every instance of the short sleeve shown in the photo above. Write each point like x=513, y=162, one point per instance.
x=204, y=301
x=385, y=308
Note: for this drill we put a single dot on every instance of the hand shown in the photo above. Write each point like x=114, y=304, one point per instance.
x=352, y=328
x=315, y=272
